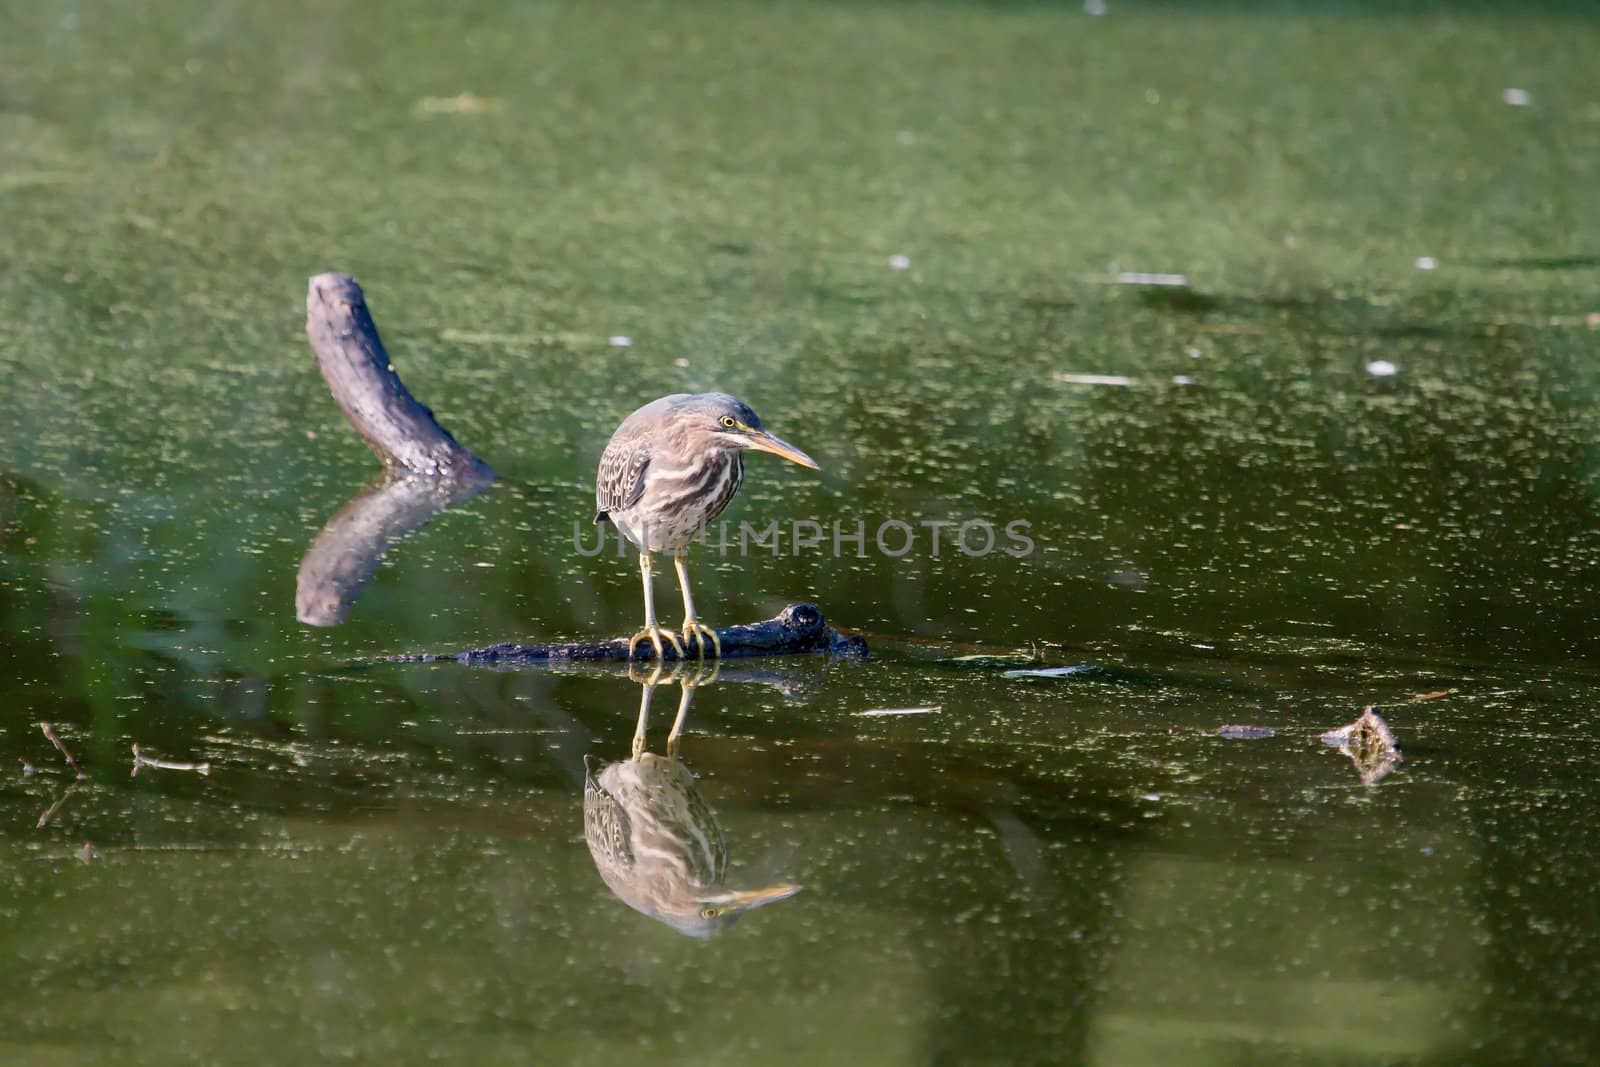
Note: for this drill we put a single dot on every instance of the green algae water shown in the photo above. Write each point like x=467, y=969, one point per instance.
x=1273, y=330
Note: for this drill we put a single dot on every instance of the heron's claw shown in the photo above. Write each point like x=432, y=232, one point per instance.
x=697, y=631
x=649, y=675
x=702, y=674
x=654, y=634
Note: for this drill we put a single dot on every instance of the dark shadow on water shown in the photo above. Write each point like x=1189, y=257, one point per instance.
x=1460, y=313
x=1178, y=298
x=1350, y=8
x=1539, y=263
x=1318, y=8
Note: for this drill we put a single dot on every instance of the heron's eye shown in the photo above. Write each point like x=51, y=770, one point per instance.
x=729, y=422
x=710, y=911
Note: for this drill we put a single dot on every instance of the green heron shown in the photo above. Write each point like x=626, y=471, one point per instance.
x=654, y=839
x=670, y=468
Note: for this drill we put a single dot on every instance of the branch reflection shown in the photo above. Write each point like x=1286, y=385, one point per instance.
x=347, y=550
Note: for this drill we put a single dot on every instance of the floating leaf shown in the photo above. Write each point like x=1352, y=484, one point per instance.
x=1049, y=672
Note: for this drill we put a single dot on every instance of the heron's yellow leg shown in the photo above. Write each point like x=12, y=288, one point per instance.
x=648, y=691
x=652, y=631
x=689, y=682
x=693, y=629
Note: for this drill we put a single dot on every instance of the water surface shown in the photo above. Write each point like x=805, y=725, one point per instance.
x=1351, y=461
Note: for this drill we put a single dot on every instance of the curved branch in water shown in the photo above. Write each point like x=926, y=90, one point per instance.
x=426, y=469
x=362, y=379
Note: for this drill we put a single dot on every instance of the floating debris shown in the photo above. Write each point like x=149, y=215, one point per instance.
x=1049, y=672
x=141, y=760
x=1170, y=281
x=1369, y=743
x=878, y=712
x=481, y=337
x=460, y=104
x=1435, y=695
x=1426, y=263
x=988, y=660
x=899, y=262
x=1094, y=379
x=1241, y=732
x=619, y=340
x=1381, y=368
x=1516, y=97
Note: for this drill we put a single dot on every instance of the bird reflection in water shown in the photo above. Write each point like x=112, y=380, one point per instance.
x=655, y=841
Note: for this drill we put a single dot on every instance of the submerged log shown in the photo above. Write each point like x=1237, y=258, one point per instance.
x=797, y=628
x=357, y=369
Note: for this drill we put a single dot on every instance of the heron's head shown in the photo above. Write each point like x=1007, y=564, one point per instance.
x=720, y=421
x=715, y=909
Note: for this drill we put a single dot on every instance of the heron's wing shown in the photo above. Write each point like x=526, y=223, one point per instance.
x=715, y=854
x=605, y=823
x=620, y=481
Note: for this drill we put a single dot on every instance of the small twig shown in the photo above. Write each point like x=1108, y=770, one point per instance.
x=141, y=760
x=50, y=812
x=50, y=735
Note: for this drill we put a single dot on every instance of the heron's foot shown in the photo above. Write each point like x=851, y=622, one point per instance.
x=697, y=631
x=701, y=674
x=650, y=675
x=655, y=635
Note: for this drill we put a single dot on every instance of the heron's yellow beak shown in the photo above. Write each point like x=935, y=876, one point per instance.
x=745, y=899
x=766, y=442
